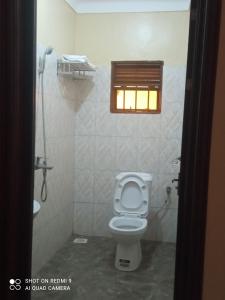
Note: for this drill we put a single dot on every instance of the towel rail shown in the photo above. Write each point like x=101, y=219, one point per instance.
x=76, y=70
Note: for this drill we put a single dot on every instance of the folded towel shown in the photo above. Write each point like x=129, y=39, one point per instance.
x=75, y=58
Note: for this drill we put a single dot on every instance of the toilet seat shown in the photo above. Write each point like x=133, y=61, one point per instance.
x=131, y=196
x=128, y=225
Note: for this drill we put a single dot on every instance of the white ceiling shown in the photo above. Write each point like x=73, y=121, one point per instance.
x=109, y=6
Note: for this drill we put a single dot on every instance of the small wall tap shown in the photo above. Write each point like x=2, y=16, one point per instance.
x=178, y=181
x=41, y=165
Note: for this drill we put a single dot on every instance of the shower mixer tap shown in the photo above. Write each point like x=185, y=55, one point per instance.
x=41, y=165
x=178, y=183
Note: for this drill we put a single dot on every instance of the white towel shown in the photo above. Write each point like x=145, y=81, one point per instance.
x=75, y=58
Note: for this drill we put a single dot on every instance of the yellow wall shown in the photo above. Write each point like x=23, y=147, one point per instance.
x=116, y=36
x=130, y=36
x=55, y=25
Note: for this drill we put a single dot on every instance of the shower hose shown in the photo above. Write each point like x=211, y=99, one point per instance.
x=44, y=185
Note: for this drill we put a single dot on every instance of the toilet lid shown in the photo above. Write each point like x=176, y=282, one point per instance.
x=131, y=197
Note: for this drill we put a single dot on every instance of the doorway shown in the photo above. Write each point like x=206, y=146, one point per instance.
x=107, y=144
x=193, y=121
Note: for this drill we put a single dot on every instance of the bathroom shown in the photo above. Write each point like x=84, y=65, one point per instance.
x=87, y=146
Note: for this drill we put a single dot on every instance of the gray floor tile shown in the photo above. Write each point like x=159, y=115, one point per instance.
x=91, y=268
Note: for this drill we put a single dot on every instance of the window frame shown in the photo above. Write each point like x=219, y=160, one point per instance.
x=135, y=87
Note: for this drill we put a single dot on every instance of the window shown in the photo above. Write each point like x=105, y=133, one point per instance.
x=136, y=86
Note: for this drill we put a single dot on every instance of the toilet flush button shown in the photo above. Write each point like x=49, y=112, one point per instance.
x=143, y=186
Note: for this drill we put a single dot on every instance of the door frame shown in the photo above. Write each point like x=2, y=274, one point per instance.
x=17, y=119
x=195, y=153
x=17, y=106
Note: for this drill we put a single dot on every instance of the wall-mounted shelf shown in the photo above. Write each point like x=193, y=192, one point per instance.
x=76, y=70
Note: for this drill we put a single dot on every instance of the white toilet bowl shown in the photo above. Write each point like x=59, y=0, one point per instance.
x=128, y=226
x=128, y=231
x=131, y=208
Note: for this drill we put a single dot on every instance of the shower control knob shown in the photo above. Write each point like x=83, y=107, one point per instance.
x=174, y=180
x=178, y=182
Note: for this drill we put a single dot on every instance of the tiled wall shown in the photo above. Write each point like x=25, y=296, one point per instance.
x=88, y=146
x=106, y=144
x=53, y=225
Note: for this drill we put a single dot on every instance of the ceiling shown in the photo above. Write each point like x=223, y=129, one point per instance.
x=110, y=6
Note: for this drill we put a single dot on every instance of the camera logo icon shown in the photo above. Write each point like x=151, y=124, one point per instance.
x=15, y=284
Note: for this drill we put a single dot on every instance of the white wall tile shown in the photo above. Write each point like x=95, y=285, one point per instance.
x=155, y=190
x=162, y=225
x=85, y=119
x=104, y=186
x=159, y=195
x=105, y=153
x=148, y=155
x=84, y=186
x=126, y=153
x=53, y=225
x=149, y=125
x=83, y=218
x=102, y=84
x=105, y=121
x=172, y=120
x=173, y=83
x=127, y=125
x=102, y=215
x=129, y=142
x=170, y=150
x=84, y=152
x=172, y=198
x=84, y=90
x=61, y=155
x=64, y=225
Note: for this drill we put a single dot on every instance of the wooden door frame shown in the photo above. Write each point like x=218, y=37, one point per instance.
x=17, y=119
x=18, y=63
x=196, y=140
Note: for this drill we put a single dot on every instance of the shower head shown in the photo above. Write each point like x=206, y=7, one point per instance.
x=42, y=59
x=48, y=51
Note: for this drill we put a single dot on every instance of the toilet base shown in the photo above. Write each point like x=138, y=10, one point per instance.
x=128, y=256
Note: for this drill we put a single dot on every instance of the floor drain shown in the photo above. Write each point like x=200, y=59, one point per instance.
x=80, y=241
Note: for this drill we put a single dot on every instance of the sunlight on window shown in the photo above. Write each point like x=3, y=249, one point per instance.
x=137, y=100
x=119, y=99
x=153, y=100
x=142, y=99
x=136, y=87
x=129, y=99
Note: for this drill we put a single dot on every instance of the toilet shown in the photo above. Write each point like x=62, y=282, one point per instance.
x=131, y=203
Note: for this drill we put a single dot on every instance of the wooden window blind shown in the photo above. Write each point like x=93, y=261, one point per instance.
x=136, y=86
